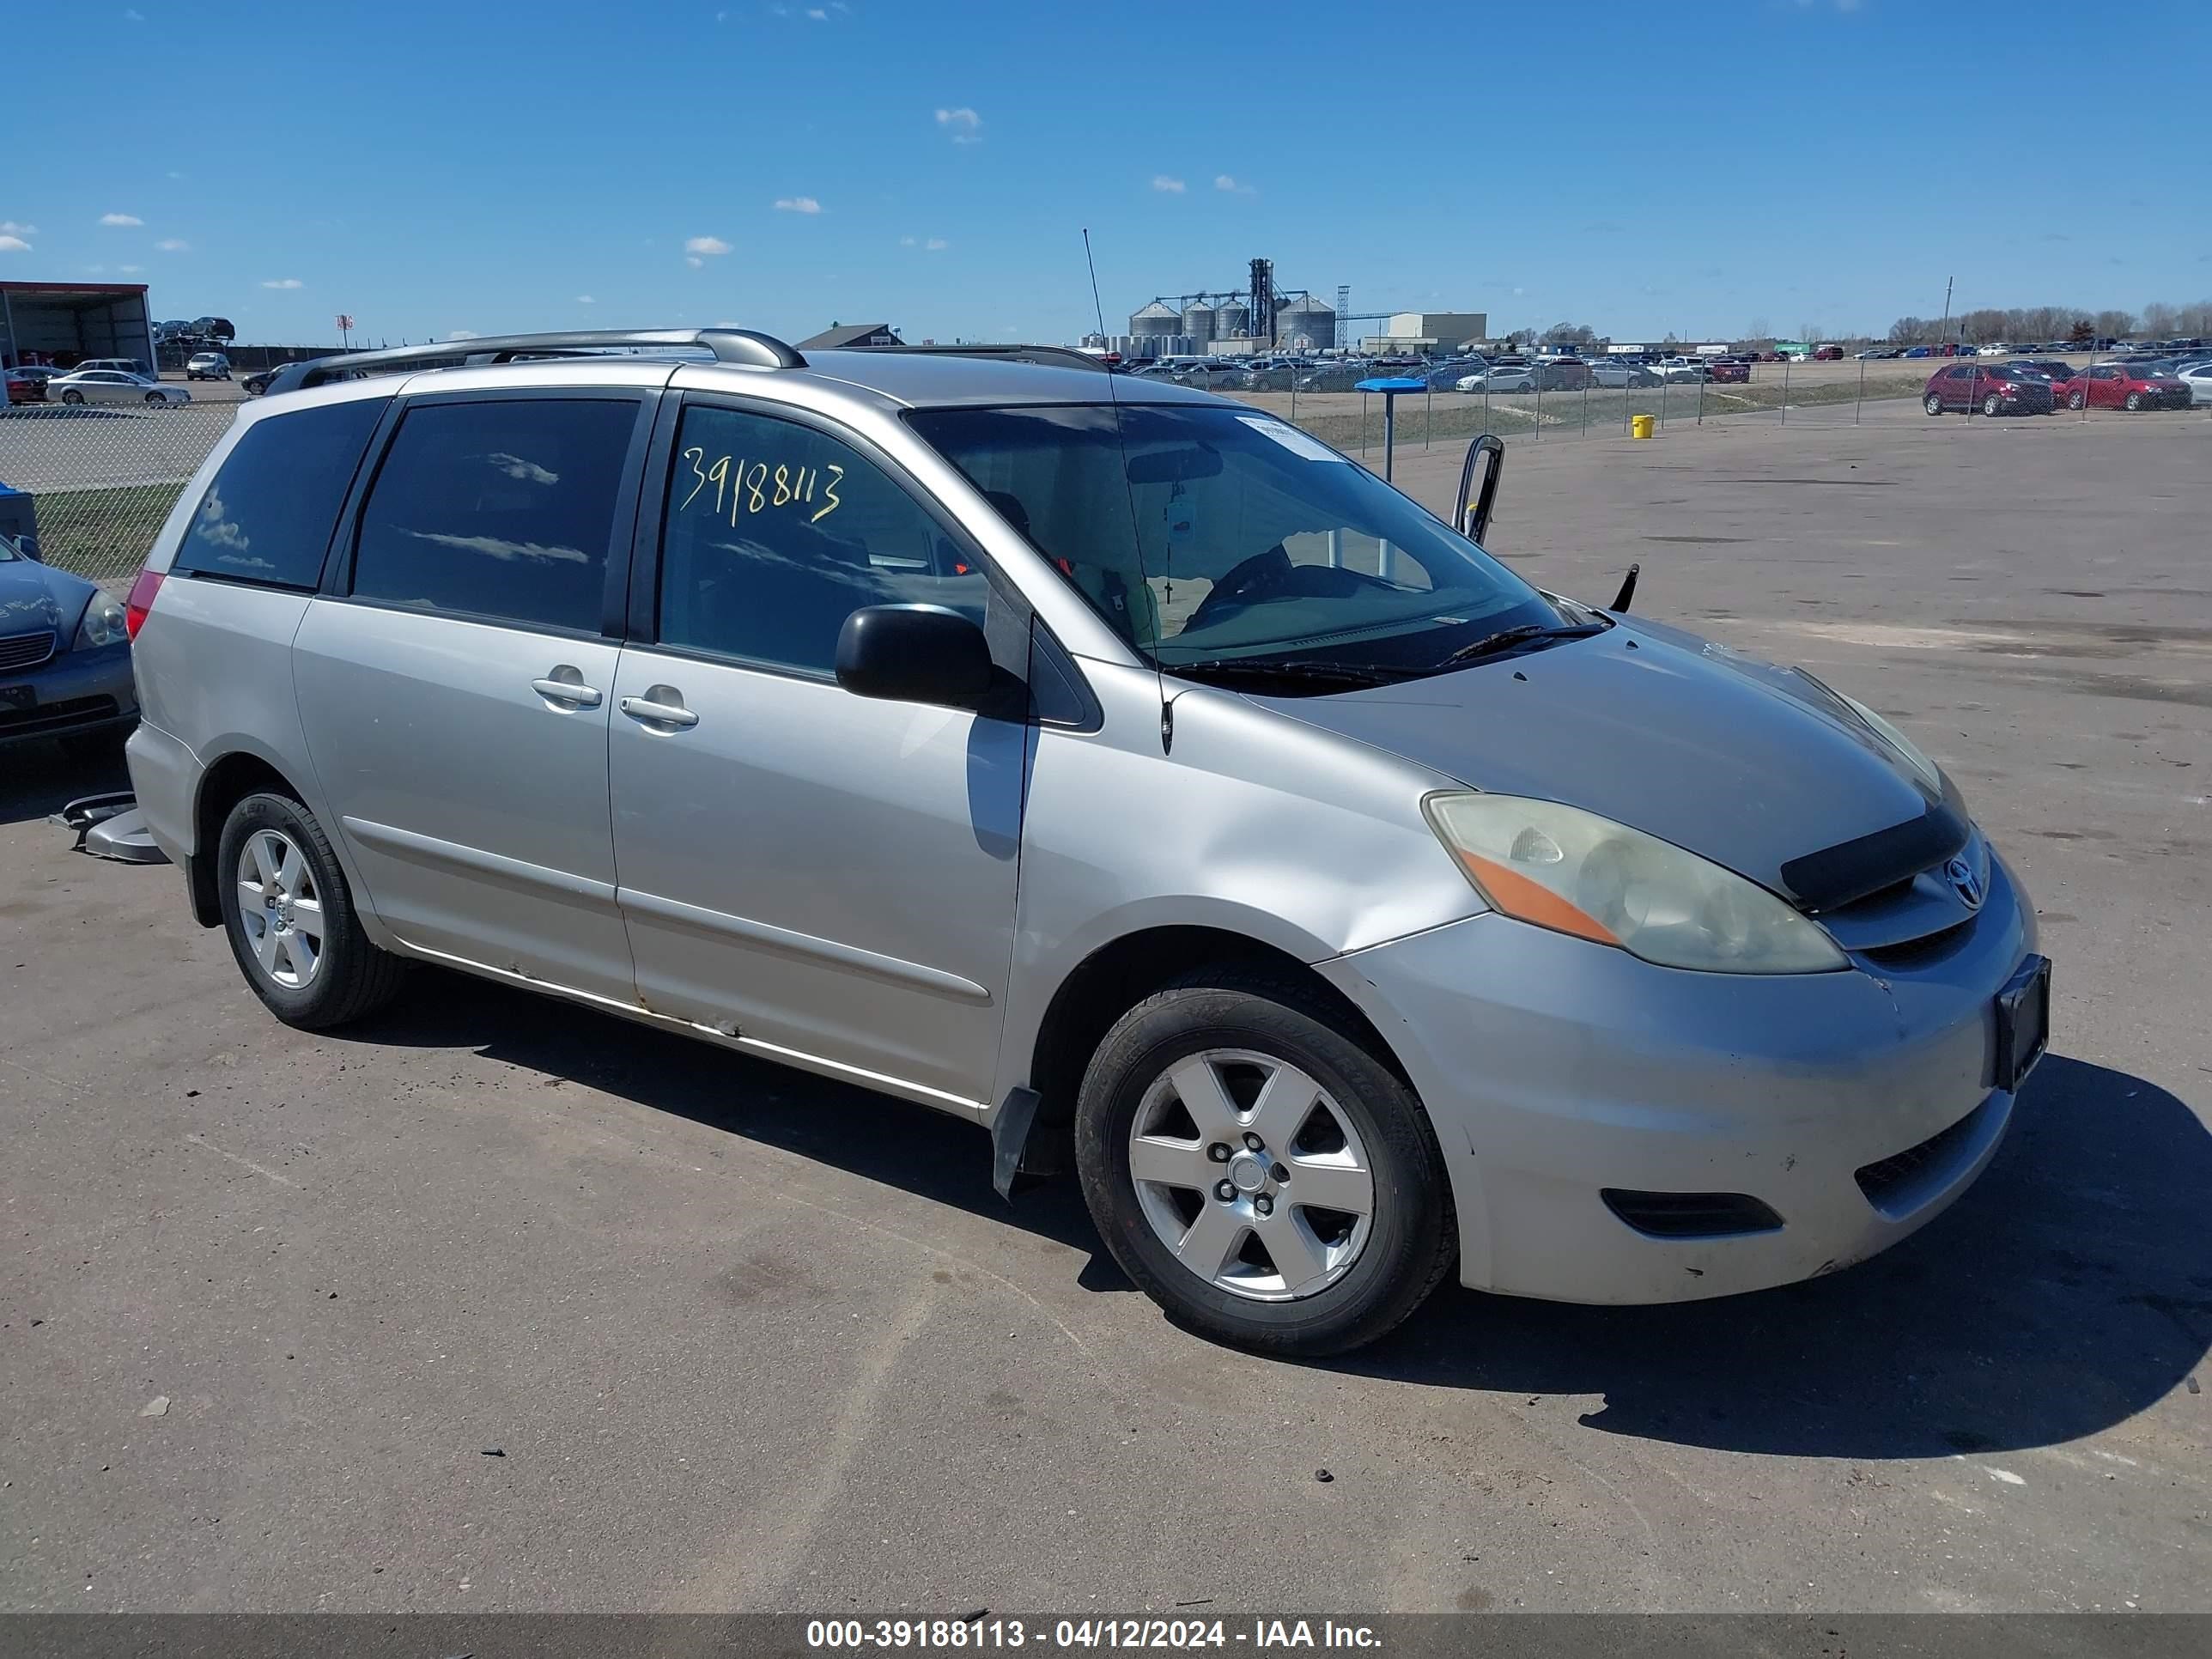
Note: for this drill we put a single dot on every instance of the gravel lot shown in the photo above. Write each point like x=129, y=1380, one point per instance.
x=749, y=1340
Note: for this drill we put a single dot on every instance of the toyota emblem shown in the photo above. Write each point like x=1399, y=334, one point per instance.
x=1965, y=883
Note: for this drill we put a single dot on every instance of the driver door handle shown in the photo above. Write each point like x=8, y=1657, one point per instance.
x=652, y=712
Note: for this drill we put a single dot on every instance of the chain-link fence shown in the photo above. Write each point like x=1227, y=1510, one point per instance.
x=102, y=478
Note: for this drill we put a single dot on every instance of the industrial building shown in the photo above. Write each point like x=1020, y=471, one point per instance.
x=1230, y=322
x=1430, y=330
x=51, y=322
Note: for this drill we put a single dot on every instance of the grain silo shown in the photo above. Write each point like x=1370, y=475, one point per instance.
x=1232, y=320
x=1306, y=318
x=1155, y=322
x=1198, y=324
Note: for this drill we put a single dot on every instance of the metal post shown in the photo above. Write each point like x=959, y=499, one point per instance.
x=1703, y=370
x=1389, y=431
x=1294, y=394
x=1860, y=402
x=1786, y=388
x=1336, y=547
x=1664, y=378
x=1429, y=417
x=1363, y=426
x=1538, y=377
x=1586, y=385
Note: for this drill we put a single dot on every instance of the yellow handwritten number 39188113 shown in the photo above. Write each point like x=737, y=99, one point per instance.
x=754, y=487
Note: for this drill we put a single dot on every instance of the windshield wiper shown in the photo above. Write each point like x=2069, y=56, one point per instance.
x=1506, y=638
x=1267, y=668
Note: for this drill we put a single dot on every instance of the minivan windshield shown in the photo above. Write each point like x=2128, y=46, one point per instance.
x=1217, y=540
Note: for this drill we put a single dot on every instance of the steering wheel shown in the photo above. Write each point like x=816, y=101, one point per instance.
x=1247, y=582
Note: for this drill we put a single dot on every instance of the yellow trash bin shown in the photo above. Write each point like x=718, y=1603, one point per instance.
x=1640, y=426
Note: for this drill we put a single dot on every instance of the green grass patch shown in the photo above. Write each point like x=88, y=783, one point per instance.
x=103, y=534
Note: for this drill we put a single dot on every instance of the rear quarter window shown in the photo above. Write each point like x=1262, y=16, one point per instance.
x=268, y=516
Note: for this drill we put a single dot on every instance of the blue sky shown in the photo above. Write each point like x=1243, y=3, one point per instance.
x=781, y=163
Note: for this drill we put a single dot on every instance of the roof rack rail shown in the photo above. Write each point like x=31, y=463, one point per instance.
x=1052, y=356
x=729, y=345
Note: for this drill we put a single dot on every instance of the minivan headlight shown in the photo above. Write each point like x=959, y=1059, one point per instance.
x=1928, y=772
x=1575, y=872
x=103, y=623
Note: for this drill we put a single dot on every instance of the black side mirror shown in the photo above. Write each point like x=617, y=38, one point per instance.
x=913, y=653
x=1475, y=508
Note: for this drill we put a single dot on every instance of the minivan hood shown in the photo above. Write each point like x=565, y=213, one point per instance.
x=1738, y=761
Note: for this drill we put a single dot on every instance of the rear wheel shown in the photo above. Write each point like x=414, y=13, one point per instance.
x=290, y=918
x=72, y=396
x=1258, y=1171
x=1932, y=403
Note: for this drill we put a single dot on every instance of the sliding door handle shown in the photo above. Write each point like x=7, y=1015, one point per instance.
x=568, y=692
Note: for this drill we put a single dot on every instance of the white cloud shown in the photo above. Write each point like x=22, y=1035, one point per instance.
x=1223, y=181
x=936, y=245
x=706, y=244
x=174, y=245
x=797, y=204
x=13, y=245
x=285, y=282
x=964, y=124
x=817, y=13
x=176, y=175
x=9, y=228
x=1173, y=186
x=694, y=261
x=906, y=241
x=463, y=334
x=132, y=14
x=120, y=219
x=131, y=271
x=95, y=270
x=586, y=300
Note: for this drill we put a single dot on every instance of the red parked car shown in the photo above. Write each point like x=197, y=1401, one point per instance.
x=1828, y=354
x=1721, y=370
x=2128, y=386
x=25, y=387
x=2061, y=376
x=1996, y=390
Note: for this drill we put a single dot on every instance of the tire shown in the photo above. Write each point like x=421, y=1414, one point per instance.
x=72, y=396
x=1992, y=405
x=2134, y=400
x=1237, y=1028
x=1932, y=403
x=2074, y=400
x=155, y=398
x=347, y=976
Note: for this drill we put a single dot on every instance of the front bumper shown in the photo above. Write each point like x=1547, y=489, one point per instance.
x=1556, y=1070
x=77, y=692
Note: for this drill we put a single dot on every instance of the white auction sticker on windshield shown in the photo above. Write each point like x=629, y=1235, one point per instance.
x=1290, y=438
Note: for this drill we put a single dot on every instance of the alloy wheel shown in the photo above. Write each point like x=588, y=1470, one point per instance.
x=1251, y=1175
x=279, y=910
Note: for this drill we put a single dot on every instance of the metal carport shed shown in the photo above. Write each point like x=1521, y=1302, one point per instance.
x=41, y=322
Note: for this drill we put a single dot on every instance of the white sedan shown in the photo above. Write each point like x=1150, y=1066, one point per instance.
x=2197, y=377
x=1621, y=375
x=1503, y=377
x=1681, y=368
x=114, y=385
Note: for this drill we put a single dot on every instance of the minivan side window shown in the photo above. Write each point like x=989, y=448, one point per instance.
x=774, y=533
x=268, y=516
x=498, y=510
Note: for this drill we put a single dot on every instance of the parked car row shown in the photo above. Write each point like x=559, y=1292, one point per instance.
x=2045, y=386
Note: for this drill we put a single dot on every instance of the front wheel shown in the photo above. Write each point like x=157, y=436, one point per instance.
x=2134, y=400
x=1992, y=405
x=1258, y=1171
x=2074, y=400
x=1932, y=403
x=156, y=397
x=72, y=396
x=290, y=918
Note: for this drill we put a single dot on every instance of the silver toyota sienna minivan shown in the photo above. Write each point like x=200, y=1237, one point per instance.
x=1107, y=762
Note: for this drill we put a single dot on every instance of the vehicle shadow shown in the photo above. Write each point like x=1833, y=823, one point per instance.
x=38, y=779
x=879, y=1136
x=2068, y=1290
